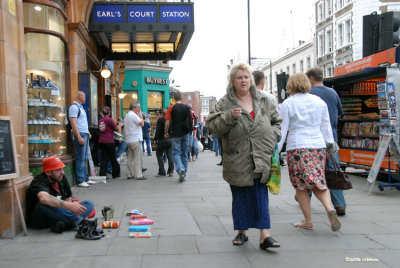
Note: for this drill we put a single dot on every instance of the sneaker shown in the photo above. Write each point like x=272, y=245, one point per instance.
x=91, y=182
x=58, y=227
x=140, y=178
x=83, y=184
x=181, y=175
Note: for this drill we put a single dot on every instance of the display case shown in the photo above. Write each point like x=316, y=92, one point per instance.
x=46, y=114
x=368, y=114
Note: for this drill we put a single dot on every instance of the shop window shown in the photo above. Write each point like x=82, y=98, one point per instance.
x=45, y=81
x=127, y=100
x=43, y=17
x=154, y=99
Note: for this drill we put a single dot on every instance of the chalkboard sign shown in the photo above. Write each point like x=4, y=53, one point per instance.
x=8, y=163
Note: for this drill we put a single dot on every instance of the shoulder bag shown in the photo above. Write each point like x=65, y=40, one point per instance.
x=337, y=179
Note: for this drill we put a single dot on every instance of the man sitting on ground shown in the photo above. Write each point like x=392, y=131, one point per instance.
x=49, y=201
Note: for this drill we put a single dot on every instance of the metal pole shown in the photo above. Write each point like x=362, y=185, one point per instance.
x=248, y=28
x=270, y=75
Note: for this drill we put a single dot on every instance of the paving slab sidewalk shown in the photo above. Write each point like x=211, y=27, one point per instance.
x=193, y=227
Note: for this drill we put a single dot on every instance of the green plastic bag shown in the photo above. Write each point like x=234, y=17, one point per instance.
x=274, y=182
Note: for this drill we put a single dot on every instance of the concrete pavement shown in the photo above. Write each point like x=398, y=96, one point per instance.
x=193, y=227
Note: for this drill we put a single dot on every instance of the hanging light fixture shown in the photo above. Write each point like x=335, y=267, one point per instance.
x=105, y=72
x=121, y=95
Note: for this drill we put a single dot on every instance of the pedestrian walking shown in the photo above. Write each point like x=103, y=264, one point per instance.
x=249, y=126
x=332, y=100
x=178, y=124
x=305, y=123
x=163, y=146
x=146, y=129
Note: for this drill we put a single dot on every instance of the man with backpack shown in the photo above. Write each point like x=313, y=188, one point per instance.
x=80, y=136
x=177, y=127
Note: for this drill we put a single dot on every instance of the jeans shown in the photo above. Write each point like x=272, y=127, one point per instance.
x=190, y=144
x=120, y=149
x=148, y=144
x=337, y=196
x=44, y=216
x=195, y=148
x=81, y=158
x=164, y=146
x=180, y=148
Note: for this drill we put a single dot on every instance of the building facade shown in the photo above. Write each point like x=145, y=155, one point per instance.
x=207, y=105
x=299, y=59
x=339, y=29
x=192, y=99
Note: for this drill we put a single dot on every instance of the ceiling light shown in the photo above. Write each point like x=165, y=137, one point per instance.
x=37, y=8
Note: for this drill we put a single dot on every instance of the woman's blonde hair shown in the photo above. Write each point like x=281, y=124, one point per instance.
x=242, y=67
x=298, y=83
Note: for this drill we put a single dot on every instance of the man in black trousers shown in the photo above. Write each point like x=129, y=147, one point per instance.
x=163, y=145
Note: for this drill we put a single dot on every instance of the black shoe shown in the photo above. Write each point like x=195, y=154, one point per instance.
x=219, y=164
x=144, y=169
x=340, y=211
x=58, y=227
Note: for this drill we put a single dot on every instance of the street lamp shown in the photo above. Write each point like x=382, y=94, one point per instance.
x=270, y=70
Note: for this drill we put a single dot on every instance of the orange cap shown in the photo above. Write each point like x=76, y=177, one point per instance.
x=52, y=163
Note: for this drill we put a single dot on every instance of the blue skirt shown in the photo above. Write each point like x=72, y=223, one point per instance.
x=250, y=206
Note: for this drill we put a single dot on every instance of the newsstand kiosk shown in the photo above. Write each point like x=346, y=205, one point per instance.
x=369, y=90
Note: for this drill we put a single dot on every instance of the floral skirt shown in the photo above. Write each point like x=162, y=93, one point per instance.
x=307, y=168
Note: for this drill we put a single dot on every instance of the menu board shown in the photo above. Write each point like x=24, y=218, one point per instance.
x=8, y=167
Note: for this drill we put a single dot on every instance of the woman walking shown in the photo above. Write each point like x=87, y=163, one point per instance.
x=249, y=127
x=305, y=123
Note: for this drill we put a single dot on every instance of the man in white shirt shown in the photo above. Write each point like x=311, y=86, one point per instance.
x=133, y=123
x=259, y=79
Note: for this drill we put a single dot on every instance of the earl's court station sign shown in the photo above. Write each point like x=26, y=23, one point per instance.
x=142, y=31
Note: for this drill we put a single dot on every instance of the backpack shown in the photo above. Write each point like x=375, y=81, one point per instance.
x=187, y=123
x=67, y=121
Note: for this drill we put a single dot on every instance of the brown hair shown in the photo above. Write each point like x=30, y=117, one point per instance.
x=298, y=83
x=316, y=73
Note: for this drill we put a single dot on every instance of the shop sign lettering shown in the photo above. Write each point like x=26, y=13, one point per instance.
x=142, y=13
x=155, y=80
x=175, y=14
x=108, y=13
x=132, y=13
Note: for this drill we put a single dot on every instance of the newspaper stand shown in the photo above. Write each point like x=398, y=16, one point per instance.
x=361, y=129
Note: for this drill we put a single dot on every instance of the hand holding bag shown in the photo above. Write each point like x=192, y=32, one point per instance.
x=337, y=179
x=274, y=182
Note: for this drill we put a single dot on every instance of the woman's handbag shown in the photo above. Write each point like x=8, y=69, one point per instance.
x=337, y=179
x=274, y=182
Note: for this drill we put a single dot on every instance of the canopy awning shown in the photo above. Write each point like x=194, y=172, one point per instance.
x=142, y=31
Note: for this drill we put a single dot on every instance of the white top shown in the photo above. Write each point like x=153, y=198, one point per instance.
x=305, y=122
x=133, y=132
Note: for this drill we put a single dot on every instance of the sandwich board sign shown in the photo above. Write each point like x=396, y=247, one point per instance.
x=386, y=141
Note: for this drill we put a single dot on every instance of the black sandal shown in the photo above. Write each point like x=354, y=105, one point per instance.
x=241, y=238
x=269, y=243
